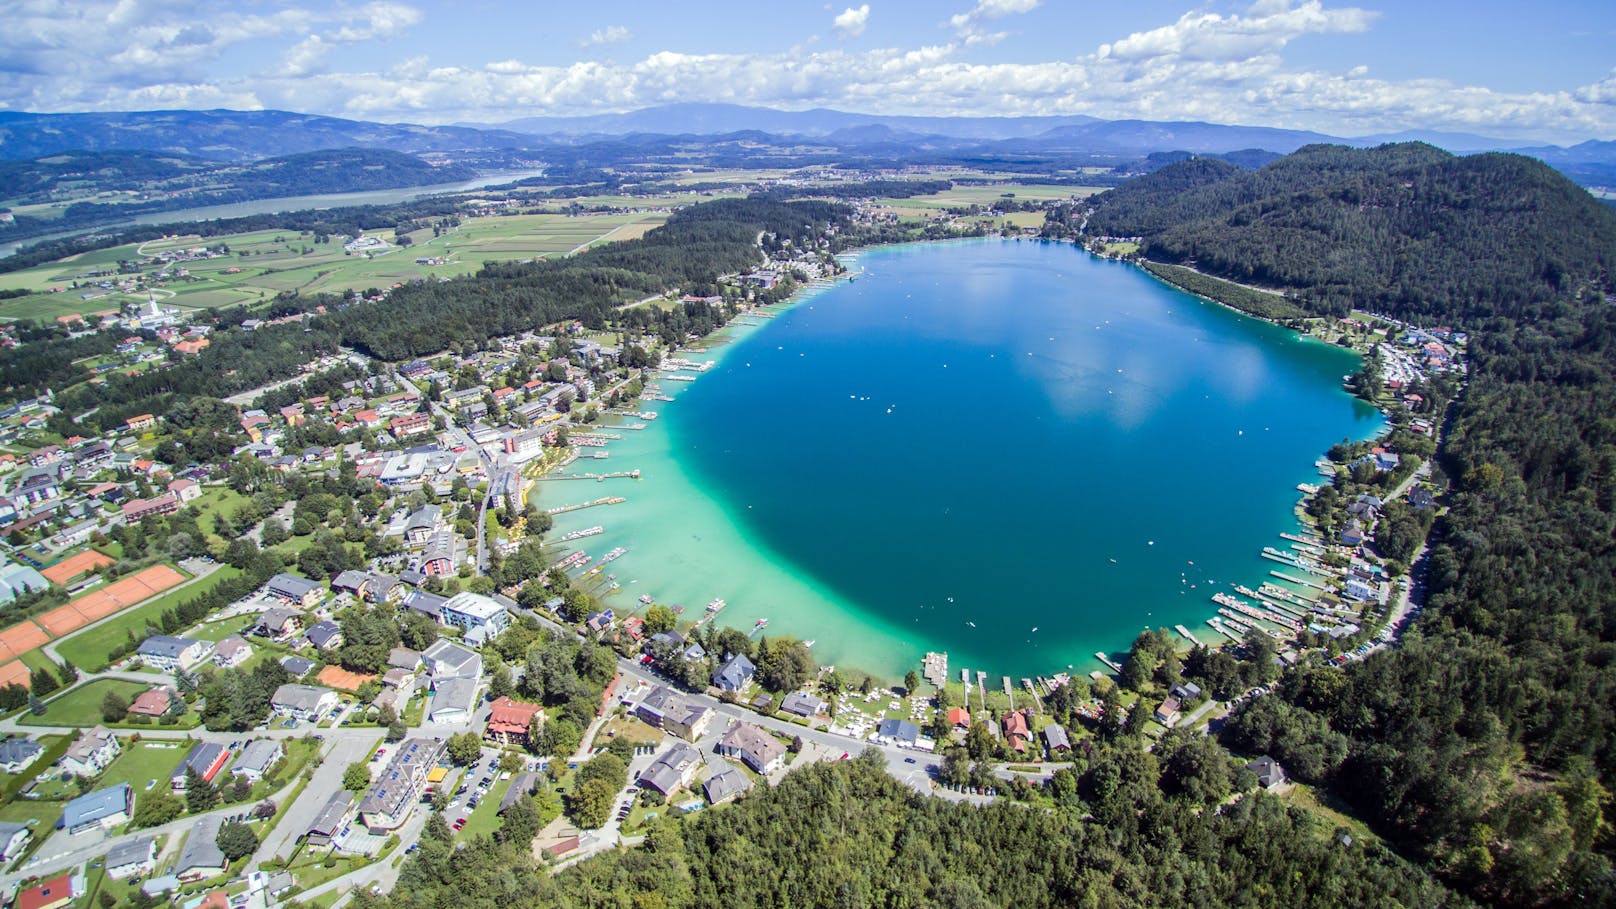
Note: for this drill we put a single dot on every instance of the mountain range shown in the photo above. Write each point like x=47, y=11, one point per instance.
x=790, y=137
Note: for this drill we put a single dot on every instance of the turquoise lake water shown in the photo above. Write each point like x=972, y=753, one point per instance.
x=1011, y=451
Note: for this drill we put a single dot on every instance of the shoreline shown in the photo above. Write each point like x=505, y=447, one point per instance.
x=732, y=333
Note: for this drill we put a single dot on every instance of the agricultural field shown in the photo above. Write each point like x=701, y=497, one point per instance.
x=261, y=264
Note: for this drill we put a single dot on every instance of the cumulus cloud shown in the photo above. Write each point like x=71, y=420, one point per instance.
x=968, y=25
x=1266, y=28
x=611, y=34
x=1228, y=68
x=850, y=22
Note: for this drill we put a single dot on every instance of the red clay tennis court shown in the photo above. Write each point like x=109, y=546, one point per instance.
x=21, y=638
x=75, y=565
x=14, y=673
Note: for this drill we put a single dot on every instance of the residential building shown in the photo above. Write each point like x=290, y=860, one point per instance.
x=1167, y=713
x=17, y=753
x=279, y=623
x=104, y=808
x=206, y=758
x=1056, y=739
x=898, y=732
x=1016, y=730
x=1269, y=772
x=481, y=616
x=332, y=819
x=135, y=510
x=200, y=857
x=510, y=721
x=14, y=840
x=232, y=651
x=673, y=770
x=725, y=786
x=755, y=747
x=135, y=858
x=296, y=590
x=802, y=704
x=438, y=559
x=297, y=666
x=325, y=635
x=91, y=753
x=171, y=654
x=391, y=799
x=404, y=658
x=350, y=581
x=328, y=825
x=735, y=674
x=446, y=660
x=257, y=759
x=304, y=702
x=52, y=894
x=185, y=490
x=671, y=711
x=422, y=524
x=153, y=702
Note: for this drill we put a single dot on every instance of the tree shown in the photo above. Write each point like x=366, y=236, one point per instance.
x=357, y=777
x=156, y=808
x=911, y=682
x=274, y=533
x=590, y=803
x=510, y=762
x=659, y=618
x=500, y=684
x=465, y=748
x=114, y=707
x=784, y=664
x=236, y=840
x=42, y=682
x=200, y=795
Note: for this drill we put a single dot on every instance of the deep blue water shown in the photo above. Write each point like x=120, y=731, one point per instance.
x=1016, y=435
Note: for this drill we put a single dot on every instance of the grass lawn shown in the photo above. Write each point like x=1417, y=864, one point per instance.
x=624, y=727
x=143, y=762
x=82, y=705
x=484, y=819
x=44, y=814
x=218, y=631
x=313, y=868
x=88, y=649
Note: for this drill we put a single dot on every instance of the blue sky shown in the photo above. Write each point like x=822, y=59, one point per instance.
x=1541, y=71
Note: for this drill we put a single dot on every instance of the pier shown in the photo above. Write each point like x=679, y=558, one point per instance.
x=621, y=474
x=1294, y=580
x=1114, y=667
x=563, y=509
x=595, y=531
x=1189, y=637
x=934, y=669
x=1009, y=692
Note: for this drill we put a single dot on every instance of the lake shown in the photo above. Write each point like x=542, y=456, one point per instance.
x=1012, y=451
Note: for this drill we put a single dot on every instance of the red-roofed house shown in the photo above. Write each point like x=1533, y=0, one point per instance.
x=1016, y=731
x=141, y=422
x=368, y=418
x=136, y=509
x=153, y=702
x=58, y=891
x=959, y=718
x=410, y=425
x=509, y=721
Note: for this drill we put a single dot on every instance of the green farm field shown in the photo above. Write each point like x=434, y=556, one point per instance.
x=262, y=264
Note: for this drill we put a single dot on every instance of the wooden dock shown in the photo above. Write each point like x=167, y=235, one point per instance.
x=1189, y=637
x=1114, y=667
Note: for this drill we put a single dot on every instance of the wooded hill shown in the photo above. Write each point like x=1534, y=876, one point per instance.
x=1400, y=228
x=1485, y=743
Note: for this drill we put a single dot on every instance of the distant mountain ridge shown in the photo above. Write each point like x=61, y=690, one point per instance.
x=788, y=138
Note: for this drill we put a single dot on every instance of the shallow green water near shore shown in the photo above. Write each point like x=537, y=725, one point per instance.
x=1011, y=451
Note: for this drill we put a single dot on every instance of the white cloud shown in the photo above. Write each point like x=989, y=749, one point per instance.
x=1220, y=68
x=968, y=25
x=850, y=22
x=611, y=34
x=1266, y=28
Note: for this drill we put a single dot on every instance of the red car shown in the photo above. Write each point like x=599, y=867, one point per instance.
x=458, y=824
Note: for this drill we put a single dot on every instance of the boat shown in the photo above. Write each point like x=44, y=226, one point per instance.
x=646, y=599
x=716, y=605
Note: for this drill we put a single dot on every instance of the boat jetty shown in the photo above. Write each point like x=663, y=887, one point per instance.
x=934, y=668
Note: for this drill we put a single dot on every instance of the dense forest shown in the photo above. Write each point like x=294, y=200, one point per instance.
x=1408, y=229
x=849, y=835
x=1486, y=742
